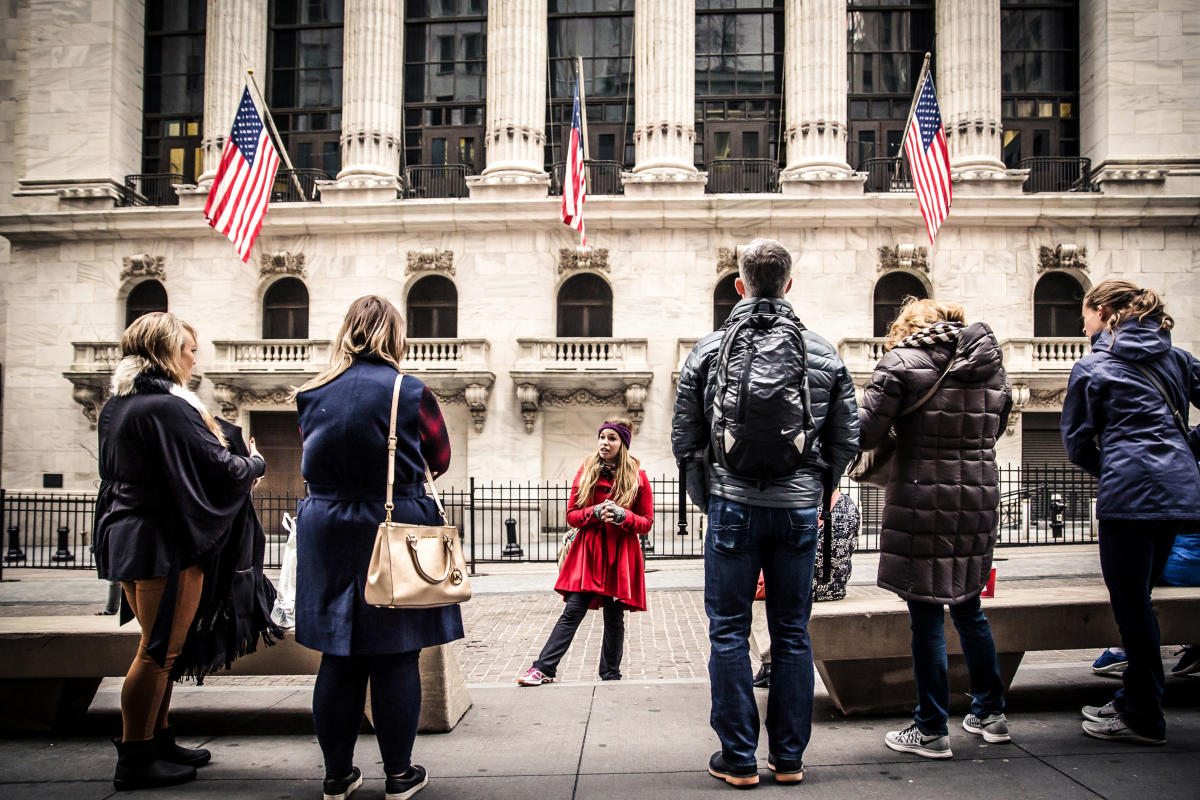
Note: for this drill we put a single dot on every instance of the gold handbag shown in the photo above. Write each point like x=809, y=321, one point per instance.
x=415, y=566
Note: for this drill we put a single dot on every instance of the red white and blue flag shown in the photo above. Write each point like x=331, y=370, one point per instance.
x=574, y=179
x=241, y=190
x=928, y=158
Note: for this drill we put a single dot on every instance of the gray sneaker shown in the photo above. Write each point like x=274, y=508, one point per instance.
x=911, y=740
x=993, y=728
x=1115, y=730
x=1099, y=713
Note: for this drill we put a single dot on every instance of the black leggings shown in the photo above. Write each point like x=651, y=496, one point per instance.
x=611, y=648
x=340, y=697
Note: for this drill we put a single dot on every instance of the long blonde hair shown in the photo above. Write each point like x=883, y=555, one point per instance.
x=1124, y=299
x=916, y=314
x=372, y=327
x=625, y=482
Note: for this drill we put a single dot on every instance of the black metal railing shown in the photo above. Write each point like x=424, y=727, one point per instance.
x=888, y=175
x=514, y=521
x=1056, y=174
x=742, y=176
x=436, y=180
x=157, y=189
x=603, y=177
x=301, y=190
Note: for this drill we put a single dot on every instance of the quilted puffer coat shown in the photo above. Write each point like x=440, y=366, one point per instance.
x=941, y=504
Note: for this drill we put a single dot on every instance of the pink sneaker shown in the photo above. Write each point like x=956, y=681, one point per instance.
x=534, y=677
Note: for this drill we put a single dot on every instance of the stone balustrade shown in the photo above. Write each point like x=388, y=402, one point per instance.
x=582, y=354
x=441, y=354
x=95, y=356
x=861, y=355
x=1043, y=353
x=271, y=355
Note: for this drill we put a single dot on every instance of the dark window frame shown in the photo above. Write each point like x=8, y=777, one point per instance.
x=1058, y=305
x=432, y=316
x=285, y=317
x=725, y=297
x=136, y=305
x=1039, y=122
x=594, y=320
x=180, y=128
x=885, y=310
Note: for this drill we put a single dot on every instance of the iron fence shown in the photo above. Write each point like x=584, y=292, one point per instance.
x=152, y=189
x=888, y=175
x=603, y=177
x=1056, y=174
x=524, y=521
x=436, y=180
x=297, y=185
x=742, y=176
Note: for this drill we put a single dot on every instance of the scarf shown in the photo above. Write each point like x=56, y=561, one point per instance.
x=932, y=334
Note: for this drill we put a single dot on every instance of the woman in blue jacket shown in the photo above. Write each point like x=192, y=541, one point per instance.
x=1117, y=425
x=344, y=418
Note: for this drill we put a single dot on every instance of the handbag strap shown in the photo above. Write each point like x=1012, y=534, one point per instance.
x=391, y=468
x=1180, y=422
x=932, y=390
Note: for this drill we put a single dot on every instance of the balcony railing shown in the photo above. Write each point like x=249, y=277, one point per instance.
x=436, y=180
x=742, y=176
x=603, y=177
x=580, y=354
x=95, y=356
x=861, y=355
x=1058, y=175
x=286, y=190
x=271, y=355
x=445, y=354
x=152, y=189
x=1044, y=354
x=883, y=176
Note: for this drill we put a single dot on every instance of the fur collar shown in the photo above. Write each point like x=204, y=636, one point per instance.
x=135, y=375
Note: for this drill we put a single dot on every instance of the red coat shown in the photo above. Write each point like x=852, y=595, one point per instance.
x=607, y=558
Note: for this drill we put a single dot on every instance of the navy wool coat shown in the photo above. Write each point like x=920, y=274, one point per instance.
x=344, y=428
x=1116, y=425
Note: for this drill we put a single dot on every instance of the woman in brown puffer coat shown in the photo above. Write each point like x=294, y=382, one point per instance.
x=941, y=505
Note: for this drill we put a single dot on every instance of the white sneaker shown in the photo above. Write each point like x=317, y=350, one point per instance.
x=911, y=740
x=993, y=727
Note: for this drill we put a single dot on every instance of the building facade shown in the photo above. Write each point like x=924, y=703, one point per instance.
x=426, y=141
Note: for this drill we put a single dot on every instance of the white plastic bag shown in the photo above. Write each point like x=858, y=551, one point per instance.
x=284, y=612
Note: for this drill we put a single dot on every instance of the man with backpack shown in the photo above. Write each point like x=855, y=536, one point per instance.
x=765, y=422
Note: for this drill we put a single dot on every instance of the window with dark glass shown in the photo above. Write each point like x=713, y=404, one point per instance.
x=890, y=293
x=1039, y=79
x=285, y=310
x=585, y=307
x=1057, y=304
x=145, y=298
x=445, y=57
x=739, y=76
x=305, y=91
x=600, y=32
x=886, y=45
x=724, y=299
x=433, y=308
x=173, y=88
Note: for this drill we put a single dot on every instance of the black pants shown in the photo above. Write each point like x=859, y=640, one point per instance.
x=340, y=697
x=1132, y=556
x=564, y=631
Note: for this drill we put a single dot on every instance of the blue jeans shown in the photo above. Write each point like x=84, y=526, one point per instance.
x=782, y=542
x=930, y=666
x=1132, y=556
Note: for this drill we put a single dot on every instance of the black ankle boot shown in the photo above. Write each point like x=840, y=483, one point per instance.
x=139, y=767
x=164, y=745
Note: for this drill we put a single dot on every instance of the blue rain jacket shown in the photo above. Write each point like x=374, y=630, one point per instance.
x=1183, y=566
x=1116, y=425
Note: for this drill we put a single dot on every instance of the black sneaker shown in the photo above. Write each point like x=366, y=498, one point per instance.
x=341, y=788
x=738, y=777
x=786, y=770
x=1189, y=662
x=763, y=679
x=408, y=784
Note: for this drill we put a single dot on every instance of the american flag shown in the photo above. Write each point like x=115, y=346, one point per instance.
x=240, y=192
x=574, y=182
x=928, y=158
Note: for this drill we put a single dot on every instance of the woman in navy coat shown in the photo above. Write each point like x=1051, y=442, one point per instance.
x=1117, y=425
x=344, y=419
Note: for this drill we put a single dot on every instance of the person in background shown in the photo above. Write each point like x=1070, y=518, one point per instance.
x=1118, y=425
x=611, y=506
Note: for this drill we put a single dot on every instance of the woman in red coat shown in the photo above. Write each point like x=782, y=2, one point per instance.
x=611, y=506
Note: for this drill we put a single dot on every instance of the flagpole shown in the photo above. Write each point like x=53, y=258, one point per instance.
x=262, y=102
x=582, y=124
x=912, y=110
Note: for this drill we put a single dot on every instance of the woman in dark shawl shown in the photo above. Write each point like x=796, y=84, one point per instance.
x=170, y=491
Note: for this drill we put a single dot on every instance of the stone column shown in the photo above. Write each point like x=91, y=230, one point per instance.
x=664, y=134
x=372, y=103
x=968, y=87
x=516, y=102
x=814, y=85
x=235, y=40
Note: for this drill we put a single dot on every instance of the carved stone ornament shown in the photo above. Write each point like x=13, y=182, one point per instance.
x=143, y=265
x=527, y=396
x=582, y=257
x=281, y=262
x=1062, y=256
x=430, y=259
x=727, y=260
x=904, y=256
x=230, y=398
x=632, y=397
x=635, y=398
x=92, y=397
x=1020, y=398
x=1047, y=398
x=474, y=396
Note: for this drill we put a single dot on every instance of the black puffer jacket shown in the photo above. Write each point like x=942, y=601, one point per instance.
x=835, y=417
x=941, y=504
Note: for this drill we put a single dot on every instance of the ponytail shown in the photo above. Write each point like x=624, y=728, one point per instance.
x=1123, y=299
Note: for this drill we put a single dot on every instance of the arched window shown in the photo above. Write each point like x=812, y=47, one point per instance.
x=433, y=308
x=285, y=310
x=585, y=307
x=724, y=299
x=1057, y=301
x=889, y=296
x=146, y=297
